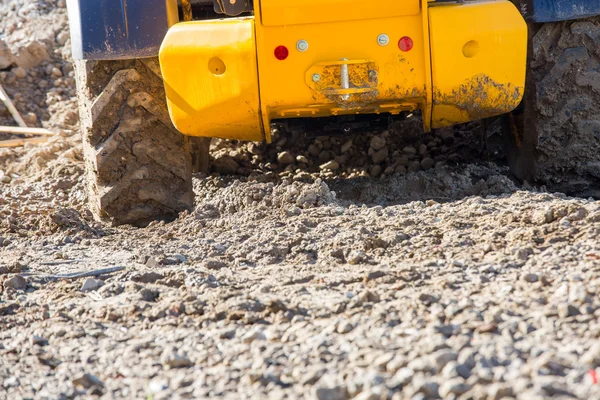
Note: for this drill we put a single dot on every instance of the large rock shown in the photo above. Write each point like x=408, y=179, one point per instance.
x=6, y=56
x=32, y=55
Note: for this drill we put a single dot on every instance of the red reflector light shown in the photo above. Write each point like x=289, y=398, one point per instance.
x=281, y=53
x=405, y=44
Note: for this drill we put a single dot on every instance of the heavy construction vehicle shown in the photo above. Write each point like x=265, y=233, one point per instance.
x=155, y=75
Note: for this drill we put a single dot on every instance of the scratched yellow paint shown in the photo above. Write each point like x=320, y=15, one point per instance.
x=478, y=58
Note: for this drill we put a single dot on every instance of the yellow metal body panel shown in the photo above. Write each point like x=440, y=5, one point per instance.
x=381, y=78
x=297, y=12
x=211, y=80
x=478, y=58
x=223, y=79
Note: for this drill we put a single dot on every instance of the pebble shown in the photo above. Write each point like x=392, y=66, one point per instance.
x=530, y=278
x=173, y=359
x=344, y=327
x=409, y=150
x=16, y=282
x=455, y=386
x=375, y=171
x=567, y=310
x=302, y=159
x=331, y=165
x=91, y=284
x=346, y=147
x=378, y=143
x=331, y=393
x=19, y=72
x=414, y=166
x=380, y=155
x=215, y=264
x=427, y=163
x=285, y=157
x=443, y=357
x=87, y=381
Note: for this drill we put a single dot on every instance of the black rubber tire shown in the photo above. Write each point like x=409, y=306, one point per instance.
x=553, y=139
x=138, y=166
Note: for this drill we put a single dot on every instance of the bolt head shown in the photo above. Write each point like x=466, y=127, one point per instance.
x=316, y=78
x=383, y=39
x=302, y=45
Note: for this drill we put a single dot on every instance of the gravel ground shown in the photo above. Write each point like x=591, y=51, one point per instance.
x=388, y=265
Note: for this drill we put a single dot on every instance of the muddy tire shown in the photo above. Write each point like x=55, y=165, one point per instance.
x=138, y=166
x=553, y=139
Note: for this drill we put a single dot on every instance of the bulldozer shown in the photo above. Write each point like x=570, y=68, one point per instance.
x=158, y=78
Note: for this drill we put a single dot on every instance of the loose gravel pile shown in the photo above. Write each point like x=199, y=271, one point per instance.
x=388, y=265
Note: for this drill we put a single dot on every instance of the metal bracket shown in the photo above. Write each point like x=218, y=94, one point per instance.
x=232, y=8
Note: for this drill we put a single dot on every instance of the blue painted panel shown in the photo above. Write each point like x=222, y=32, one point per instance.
x=116, y=29
x=558, y=10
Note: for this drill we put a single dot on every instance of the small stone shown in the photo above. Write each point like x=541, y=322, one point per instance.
x=254, y=148
x=5, y=179
x=62, y=37
x=346, y=147
x=380, y=155
x=285, y=158
x=374, y=393
x=356, y=257
x=423, y=149
x=313, y=150
x=56, y=72
x=171, y=358
x=592, y=356
x=87, y=381
x=19, y=72
x=427, y=163
x=17, y=282
x=409, y=150
x=566, y=310
x=497, y=391
x=400, y=169
x=443, y=357
x=455, y=386
x=38, y=340
x=414, y=166
x=403, y=376
x=530, y=278
x=578, y=215
x=331, y=393
x=377, y=143
x=375, y=171
x=389, y=170
x=429, y=389
x=225, y=165
x=91, y=284
x=324, y=156
x=331, y=165
x=344, y=327
x=215, y=264
x=153, y=262
x=253, y=335
x=427, y=299
x=302, y=159
x=147, y=277
x=157, y=385
x=30, y=118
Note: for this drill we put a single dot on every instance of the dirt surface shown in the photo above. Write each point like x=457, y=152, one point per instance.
x=394, y=265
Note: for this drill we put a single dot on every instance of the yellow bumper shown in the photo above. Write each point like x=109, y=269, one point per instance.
x=310, y=58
